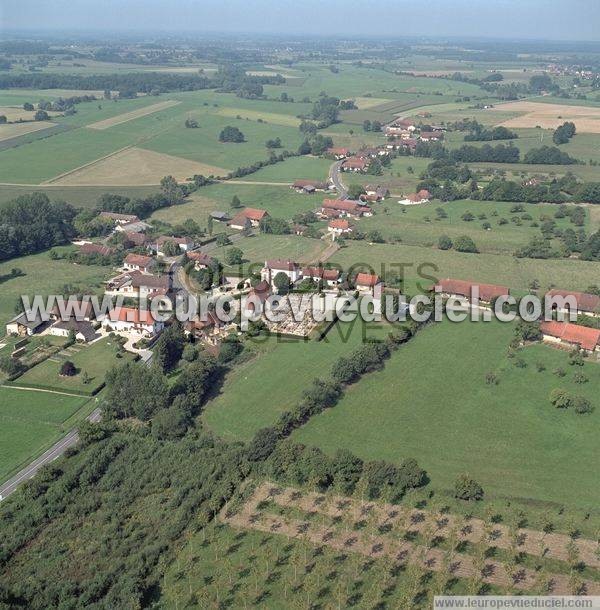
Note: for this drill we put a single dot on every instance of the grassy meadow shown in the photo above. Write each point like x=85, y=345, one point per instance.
x=257, y=391
x=431, y=402
x=30, y=421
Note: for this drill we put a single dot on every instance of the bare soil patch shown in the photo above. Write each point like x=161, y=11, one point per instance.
x=550, y=116
x=133, y=114
x=136, y=167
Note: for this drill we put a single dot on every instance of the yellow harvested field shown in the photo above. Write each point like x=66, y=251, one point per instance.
x=550, y=116
x=136, y=167
x=134, y=114
x=275, y=118
x=13, y=130
x=369, y=102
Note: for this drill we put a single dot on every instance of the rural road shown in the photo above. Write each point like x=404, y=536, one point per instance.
x=335, y=177
x=50, y=455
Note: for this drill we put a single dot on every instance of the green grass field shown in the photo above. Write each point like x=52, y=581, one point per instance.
x=420, y=225
x=259, y=248
x=44, y=276
x=295, y=168
x=279, y=201
x=256, y=392
x=79, y=196
x=431, y=402
x=95, y=360
x=30, y=421
x=422, y=264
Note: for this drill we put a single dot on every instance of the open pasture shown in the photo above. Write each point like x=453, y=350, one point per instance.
x=431, y=402
x=94, y=360
x=133, y=114
x=421, y=226
x=30, y=421
x=420, y=265
x=255, y=393
x=42, y=275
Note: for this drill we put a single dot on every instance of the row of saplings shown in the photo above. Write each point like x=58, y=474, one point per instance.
x=298, y=465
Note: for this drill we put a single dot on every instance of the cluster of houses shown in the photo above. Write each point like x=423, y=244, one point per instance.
x=405, y=133
x=565, y=334
x=364, y=283
x=357, y=162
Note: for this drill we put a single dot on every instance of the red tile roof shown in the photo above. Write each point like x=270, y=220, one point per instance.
x=343, y=205
x=201, y=257
x=331, y=275
x=96, y=249
x=338, y=223
x=587, y=338
x=131, y=314
x=487, y=292
x=367, y=279
x=355, y=163
x=338, y=150
x=255, y=214
x=138, y=239
x=138, y=260
x=585, y=302
x=281, y=265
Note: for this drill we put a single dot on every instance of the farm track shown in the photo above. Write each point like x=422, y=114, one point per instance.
x=388, y=517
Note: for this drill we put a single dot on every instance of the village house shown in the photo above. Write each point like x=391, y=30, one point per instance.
x=571, y=335
x=310, y=186
x=461, y=288
x=137, y=240
x=138, y=262
x=276, y=266
x=338, y=152
x=422, y=196
x=329, y=277
x=260, y=293
x=220, y=216
x=298, y=229
x=136, y=285
x=95, y=249
x=201, y=260
x=205, y=330
x=248, y=217
x=130, y=319
x=379, y=191
x=368, y=283
x=20, y=325
x=72, y=308
x=332, y=208
x=139, y=226
x=119, y=219
x=338, y=226
x=588, y=304
x=431, y=136
x=185, y=243
x=355, y=164
x=83, y=330
x=400, y=126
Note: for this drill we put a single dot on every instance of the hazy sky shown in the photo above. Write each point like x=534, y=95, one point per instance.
x=549, y=19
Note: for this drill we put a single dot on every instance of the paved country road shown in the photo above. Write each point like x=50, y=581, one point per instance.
x=50, y=455
x=335, y=177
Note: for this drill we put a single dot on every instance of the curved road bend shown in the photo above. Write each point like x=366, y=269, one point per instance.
x=335, y=177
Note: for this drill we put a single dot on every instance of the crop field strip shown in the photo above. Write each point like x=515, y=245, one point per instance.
x=133, y=114
x=393, y=528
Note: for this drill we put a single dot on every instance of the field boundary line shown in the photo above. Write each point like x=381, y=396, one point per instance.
x=84, y=166
x=30, y=389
